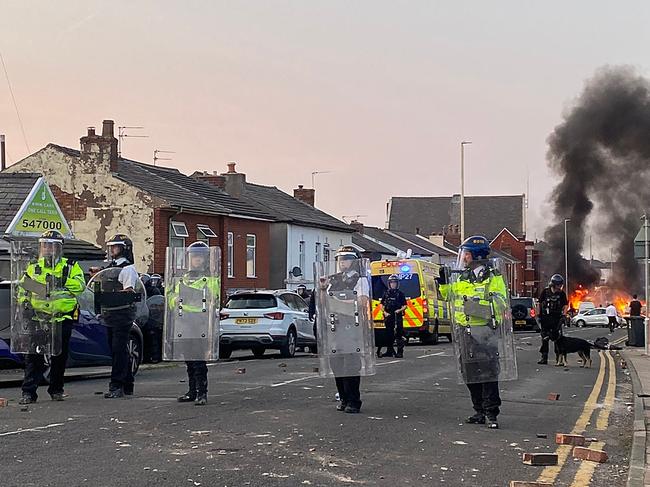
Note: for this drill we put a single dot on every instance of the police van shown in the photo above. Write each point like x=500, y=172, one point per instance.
x=427, y=315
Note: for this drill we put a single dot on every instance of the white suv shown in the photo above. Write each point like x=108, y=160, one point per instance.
x=266, y=319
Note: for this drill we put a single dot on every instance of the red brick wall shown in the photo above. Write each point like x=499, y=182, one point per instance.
x=517, y=248
x=220, y=225
x=72, y=208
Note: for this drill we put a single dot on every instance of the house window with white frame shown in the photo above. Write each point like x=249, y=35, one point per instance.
x=251, y=250
x=318, y=255
x=177, y=235
x=230, y=261
x=204, y=233
x=301, y=256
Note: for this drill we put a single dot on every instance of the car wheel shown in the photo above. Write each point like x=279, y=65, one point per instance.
x=580, y=323
x=288, y=348
x=258, y=352
x=135, y=352
x=225, y=351
x=449, y=338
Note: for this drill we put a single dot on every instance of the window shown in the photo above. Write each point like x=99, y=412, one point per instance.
x=301, y=252
x=179, y=230
x=326, y=253
x=318, y=253
x=294, y=302
x=206, y=231
x=251, y=301
x=231, y=256
x=529, y=259
x=200, y=237
x=251, y=244
x=177, y=234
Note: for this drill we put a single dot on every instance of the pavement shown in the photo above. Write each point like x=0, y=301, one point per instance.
x=275, y=424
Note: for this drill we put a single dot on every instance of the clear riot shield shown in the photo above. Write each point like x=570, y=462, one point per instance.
x=482, y=326
x=346, y=339
x=34, y=291
x=114, y=306
x=192, y=302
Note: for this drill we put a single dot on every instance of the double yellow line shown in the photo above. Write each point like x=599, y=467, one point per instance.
x=586, y=470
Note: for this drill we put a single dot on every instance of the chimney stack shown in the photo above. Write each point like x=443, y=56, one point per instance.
x=357, y=225
x=235, y=181
x=306, y=195
x=101, y=150
x=214, y=179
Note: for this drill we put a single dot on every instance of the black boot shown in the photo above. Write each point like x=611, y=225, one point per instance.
x=400, y=349
x=27, y=399
x=478, y=418
x=492, y=423
x=543, y=360
x=201, y=400
x=114, y=394
x=190, y=396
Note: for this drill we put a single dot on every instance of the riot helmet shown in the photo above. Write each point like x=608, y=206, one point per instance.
x=393, y=279
x=556, y=280
x=347, y=258
x=301, y=290
x=146, y=279
x=198, y=257
x=120, y=246
x=473, y=249
x=50, y=246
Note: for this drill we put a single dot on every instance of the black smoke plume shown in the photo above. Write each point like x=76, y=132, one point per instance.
x=601, y=151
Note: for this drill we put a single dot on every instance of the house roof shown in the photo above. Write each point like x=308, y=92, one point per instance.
x=423, y=242
x=484, y=215
x=178, y=189
x=184, y=191
x=15, y=189
x=368, y=245
x=387, y=238
x=285, y=207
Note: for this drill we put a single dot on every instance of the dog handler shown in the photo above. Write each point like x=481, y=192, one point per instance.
x=553, y=304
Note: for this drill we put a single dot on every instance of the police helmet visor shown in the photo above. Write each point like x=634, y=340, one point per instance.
x=115, y=249
x=198, y=260
x=465, y=258
x=50, y=248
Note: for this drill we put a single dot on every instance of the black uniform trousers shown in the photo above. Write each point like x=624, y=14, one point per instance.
x=348, y=389
x=550, y=330
x=485, y=398
x=613, y=323
x=118, y=339
x=35, y=366
x=394, y=331
x=197, y=378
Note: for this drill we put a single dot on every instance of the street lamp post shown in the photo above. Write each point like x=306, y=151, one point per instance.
x=462, y=189
x=313, y=180
x=645, y=258
x=566, y=258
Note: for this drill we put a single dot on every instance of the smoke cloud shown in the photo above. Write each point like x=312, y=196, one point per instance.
x=601, y=151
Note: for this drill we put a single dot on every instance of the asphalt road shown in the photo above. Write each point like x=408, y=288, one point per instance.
x=276, y=425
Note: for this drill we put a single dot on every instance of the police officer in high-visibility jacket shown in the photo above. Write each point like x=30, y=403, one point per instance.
x=197, y=281
x=60, y=307
x=479, y=298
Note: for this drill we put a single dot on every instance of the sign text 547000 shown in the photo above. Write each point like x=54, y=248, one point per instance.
x=44, y=224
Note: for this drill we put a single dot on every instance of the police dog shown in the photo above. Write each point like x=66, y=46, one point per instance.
x=565, y=345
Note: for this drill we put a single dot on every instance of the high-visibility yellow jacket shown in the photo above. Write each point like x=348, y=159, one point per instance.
x=212, y=284
x=491, y=292
x=62, y=301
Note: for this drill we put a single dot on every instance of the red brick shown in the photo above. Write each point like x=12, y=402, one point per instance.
x=567, y=439
x=240, y=371
x=590, y=454
x=553, y=396
x=519, y=483
x=3, y=402
x=542, y=459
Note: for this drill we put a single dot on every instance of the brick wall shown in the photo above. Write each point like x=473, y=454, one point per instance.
x=73, y=208
x=240, y=228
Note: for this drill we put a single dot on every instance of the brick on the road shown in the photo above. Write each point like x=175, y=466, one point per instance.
x=590, y=454
x=553, y=396
x=540, y=459
x=567, y=439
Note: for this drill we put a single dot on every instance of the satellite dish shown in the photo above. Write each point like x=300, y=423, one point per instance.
x=296, y=272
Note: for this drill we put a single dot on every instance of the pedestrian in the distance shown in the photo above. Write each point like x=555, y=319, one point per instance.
x=635, y=306
x=612, y=317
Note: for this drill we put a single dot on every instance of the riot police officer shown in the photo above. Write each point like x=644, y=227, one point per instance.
x=119, y=321
x=197, y=280
x=553, y=305
x=479, y=298
x=345, y=328
x=59, y=308
x=393, y=304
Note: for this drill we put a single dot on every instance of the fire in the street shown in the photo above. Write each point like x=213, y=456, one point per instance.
x=601, y=296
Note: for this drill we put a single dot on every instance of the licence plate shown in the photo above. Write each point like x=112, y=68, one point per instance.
x=245, y=321
x=520, y=322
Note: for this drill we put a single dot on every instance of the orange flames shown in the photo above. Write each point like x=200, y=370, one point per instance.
x=601, y=296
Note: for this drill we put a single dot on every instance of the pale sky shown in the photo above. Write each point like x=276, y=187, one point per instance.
x=379, y=92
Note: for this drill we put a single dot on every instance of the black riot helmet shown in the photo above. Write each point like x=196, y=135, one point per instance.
x=393, y=278
x=125, y=246
x=556, y=280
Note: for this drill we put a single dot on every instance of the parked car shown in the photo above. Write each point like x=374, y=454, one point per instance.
x=594, y=317
x=261, y=320
x=524, y=313
x=89, y=340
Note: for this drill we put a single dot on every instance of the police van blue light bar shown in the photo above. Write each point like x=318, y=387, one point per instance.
x=405, y=268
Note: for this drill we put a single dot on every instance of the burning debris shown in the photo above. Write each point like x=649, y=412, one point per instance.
x=601, y=152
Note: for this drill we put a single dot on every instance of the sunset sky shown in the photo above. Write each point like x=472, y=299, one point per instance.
x=379, y=92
